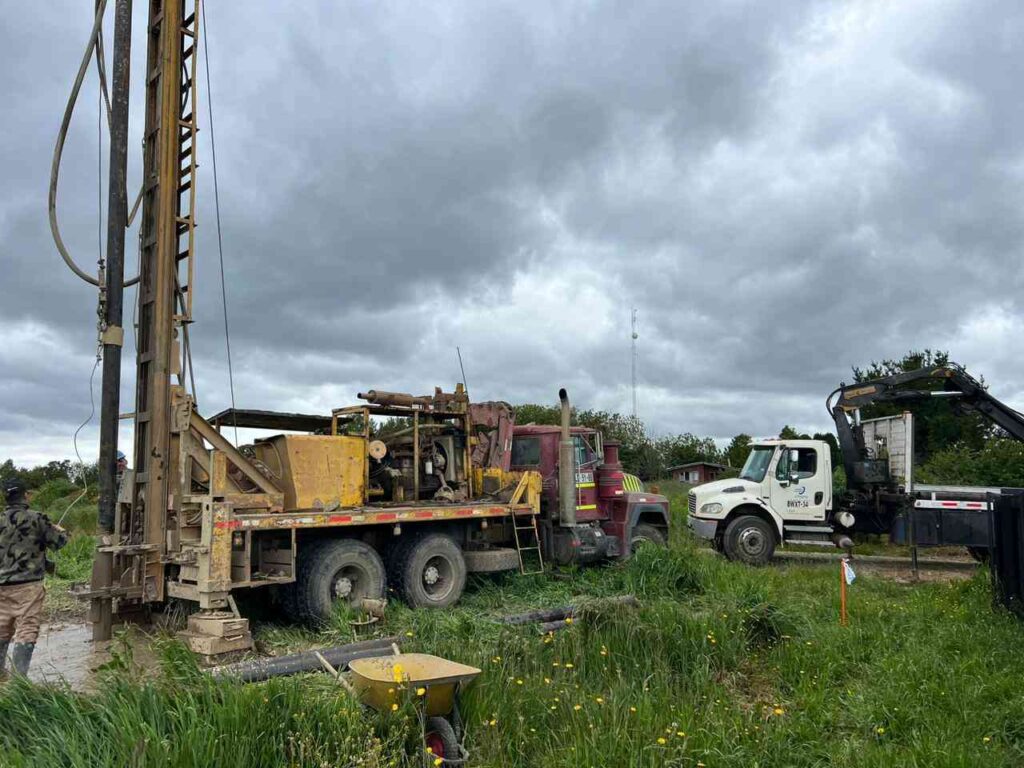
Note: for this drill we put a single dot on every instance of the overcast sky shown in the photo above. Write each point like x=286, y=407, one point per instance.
x=783, y=190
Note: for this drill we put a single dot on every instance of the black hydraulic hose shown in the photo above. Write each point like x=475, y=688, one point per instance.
x=339, y=657
x=59, y=148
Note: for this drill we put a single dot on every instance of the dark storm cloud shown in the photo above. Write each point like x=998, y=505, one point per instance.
x=782, y=191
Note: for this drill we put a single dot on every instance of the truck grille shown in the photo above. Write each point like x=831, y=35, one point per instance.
x=691, y=503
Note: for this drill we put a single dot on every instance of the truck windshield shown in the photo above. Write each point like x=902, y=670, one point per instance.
x=757, y=463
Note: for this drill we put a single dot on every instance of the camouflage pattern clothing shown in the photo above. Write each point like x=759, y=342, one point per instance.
x=25, y=535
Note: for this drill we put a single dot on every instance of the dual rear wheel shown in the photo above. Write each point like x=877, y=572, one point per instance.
x=428, y=571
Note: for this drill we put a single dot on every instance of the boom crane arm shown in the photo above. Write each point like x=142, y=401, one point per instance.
x=970, y=394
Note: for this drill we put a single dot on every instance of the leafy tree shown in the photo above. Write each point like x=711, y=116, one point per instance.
x=937, y=424
x=738, y=450
x=54, y=470
x=788, y=433
x=998, y=463
x=686, y=448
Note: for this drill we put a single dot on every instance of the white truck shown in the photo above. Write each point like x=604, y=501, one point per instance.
x=784, y=493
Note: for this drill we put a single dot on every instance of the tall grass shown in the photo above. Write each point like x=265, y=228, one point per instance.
x=721, y=665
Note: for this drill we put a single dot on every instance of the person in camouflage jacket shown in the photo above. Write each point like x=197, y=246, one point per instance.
x=25, y=536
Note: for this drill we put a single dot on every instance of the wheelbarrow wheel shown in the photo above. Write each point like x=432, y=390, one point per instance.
x=441, y=741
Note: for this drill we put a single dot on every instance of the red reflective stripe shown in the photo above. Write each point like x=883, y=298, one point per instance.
x=382, y=516
x=227, y=524
x=463, y=512
x=427, y=513
x=339, y=519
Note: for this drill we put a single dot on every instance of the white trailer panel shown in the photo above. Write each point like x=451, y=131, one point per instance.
x=892, y=437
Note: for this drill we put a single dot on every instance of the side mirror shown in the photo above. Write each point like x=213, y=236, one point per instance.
x=794, y=477
x=794, y=457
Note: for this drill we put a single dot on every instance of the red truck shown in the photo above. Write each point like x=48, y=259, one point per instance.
x=588, y=510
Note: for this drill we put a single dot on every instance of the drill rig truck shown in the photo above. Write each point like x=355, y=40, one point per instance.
x=329, y=510
x=784, y=493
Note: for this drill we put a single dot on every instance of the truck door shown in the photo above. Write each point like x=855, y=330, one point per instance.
x=798, y=484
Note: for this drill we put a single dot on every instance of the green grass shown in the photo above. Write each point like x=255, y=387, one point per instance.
x=60, y=499
x=722, y=665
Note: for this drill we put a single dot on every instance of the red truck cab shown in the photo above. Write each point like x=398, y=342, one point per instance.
x=609, y=519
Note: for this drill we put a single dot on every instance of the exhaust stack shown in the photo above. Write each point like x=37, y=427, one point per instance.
x=566, y=467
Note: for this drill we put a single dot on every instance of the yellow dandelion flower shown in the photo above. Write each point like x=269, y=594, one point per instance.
x=438, y=761
x=409, y=633
x=519, y=682
x=680, y=734
x=394, y=707
x=632, y=709
x=421, y=691
x=577, y=707
x=493, y=722
x=661, y=740
x=599, y=700
x=879, y=730
x=987, y=739
x=779, y=711
x=568, y=665
x=568, y=619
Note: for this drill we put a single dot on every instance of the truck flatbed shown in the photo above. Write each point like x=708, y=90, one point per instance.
x=370, y=515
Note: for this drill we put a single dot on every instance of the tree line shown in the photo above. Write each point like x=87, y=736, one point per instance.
x=952, y=447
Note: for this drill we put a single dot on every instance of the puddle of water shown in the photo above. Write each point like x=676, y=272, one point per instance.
x=66, y=653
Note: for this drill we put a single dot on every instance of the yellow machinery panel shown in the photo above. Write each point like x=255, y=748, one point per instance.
x=317, y=471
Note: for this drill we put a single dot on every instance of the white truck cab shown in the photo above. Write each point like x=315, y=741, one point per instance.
x=783, y=493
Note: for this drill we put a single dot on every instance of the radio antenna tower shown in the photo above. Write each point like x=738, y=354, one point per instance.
x=634, y=338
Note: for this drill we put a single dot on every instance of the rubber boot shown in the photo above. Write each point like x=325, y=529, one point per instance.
x=3, y=658
x=21, y=657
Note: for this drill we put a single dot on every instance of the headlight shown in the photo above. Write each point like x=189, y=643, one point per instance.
x=713, y=508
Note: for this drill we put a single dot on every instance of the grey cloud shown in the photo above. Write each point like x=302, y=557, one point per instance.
x=781, y=194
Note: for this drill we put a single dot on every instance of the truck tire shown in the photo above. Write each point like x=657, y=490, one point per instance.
x=491, y=560
x=749, y=539
x=331, y=571
x=646, y=534
x=430, y=572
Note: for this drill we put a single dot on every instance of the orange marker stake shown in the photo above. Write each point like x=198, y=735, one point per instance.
x=842, y=593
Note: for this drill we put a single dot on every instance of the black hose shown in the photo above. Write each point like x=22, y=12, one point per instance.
x=293, y=664
x=58, y=150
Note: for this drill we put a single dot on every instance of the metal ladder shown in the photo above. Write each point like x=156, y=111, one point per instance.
x=527, y=531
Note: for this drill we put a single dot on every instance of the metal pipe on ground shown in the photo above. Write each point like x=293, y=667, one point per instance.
x=559, y=615
x=307, y=661
x=566, y=466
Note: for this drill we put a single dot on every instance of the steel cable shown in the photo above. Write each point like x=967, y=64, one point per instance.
x=216, y=203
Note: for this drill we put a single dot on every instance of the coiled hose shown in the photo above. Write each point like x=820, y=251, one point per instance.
x=95, y=44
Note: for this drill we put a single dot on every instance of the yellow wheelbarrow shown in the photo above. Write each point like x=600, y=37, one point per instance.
x=381, y=682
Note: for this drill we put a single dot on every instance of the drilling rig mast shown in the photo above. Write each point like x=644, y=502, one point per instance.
x=167, y=252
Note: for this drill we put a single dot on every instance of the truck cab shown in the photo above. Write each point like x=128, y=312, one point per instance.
x=612, y=514
x=783, y=492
